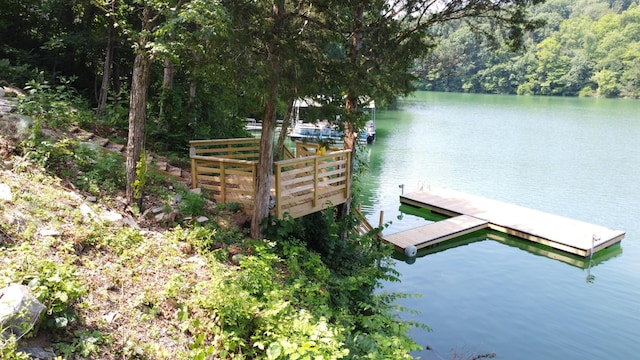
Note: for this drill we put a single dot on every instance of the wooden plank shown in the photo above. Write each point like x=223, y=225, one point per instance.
x=556, y=231
x=437, y=232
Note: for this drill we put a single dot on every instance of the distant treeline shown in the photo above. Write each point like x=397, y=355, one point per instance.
x=585, y=48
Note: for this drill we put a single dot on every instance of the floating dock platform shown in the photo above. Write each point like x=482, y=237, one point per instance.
x=469, y=213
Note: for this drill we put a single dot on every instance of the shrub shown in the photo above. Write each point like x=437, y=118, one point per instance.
x=54, y=106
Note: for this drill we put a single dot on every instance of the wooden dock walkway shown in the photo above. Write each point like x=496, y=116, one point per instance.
x=469, y=212
x=437, y=232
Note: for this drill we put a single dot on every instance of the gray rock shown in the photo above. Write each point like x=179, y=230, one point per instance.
x=157, y=209
x=15, y=126
x=19, y=310
x=159, y=217
x=39, y=353
x=49, y=232
x=113, y=218
x=201, y=219
x=5, y=193
x=236, y=259
x=92, y=199
x=2, y=93
x=129, y=221
x=196, y=191
x=87, y=213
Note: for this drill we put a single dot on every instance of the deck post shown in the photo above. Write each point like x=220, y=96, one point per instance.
x=347, y=188
x=194, y=174
x=223, y=182
x=278, y=191
x=194, y=168
x=316, y=161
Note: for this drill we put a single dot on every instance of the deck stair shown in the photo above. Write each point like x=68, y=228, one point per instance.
x=159, y=162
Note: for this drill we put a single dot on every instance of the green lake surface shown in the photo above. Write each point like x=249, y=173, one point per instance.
x=574, y=157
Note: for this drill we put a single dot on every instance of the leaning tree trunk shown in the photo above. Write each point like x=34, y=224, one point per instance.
x=106, y=70
x=137, y=107
x=265, y=162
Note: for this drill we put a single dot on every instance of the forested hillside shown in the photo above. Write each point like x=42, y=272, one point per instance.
x=585, y=48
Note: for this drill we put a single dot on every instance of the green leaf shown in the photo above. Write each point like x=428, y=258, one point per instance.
x=274, y=351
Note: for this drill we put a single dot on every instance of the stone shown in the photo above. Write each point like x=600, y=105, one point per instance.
x=157, y=209
x=197, y=260
x=159, y=217
x=39, y=353
x=236, y=259
x=19, y=310
x=129, y=221
x=15, y=126
x=5, y=193
x=201, y=219
x=92, y=199
x=87, y=213
x=196, y=191
x=49, y=232
x=113, y=217
x=111, y=316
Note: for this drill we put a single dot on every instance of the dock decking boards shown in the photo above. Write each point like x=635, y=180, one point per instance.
x=436, y=232
x=558, y=232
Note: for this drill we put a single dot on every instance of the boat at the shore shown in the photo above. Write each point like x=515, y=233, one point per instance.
x=323, y=130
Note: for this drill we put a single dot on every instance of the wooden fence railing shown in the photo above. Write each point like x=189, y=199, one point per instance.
x=303, y=185
x=308, y=184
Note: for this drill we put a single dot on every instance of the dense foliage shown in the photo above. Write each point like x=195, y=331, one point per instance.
x=204, y=289
x=586, y=48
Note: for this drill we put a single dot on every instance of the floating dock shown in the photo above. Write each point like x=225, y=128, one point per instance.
x=470, y=213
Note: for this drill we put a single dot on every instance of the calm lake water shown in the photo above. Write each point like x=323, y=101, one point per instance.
x=578, y=158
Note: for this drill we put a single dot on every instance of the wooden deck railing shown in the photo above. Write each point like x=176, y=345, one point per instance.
x=303, y=185
x=308, y=184
x=227, y=168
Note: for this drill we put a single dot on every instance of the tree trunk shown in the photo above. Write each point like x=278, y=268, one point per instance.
x=167, y=86
x=106, y=70
x=137, y=107
x=265, y=162
x=192, y=91
x=351, y=105
x=167, y=79
x=286, y=121
x=350, y=139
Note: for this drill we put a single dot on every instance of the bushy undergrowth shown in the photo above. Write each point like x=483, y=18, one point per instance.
x=312, y=290
x=86, y=166
x=55, y=106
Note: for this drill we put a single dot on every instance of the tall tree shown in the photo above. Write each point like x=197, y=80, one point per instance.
x=168, y=30
x=138, y=102
x=270, y=35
